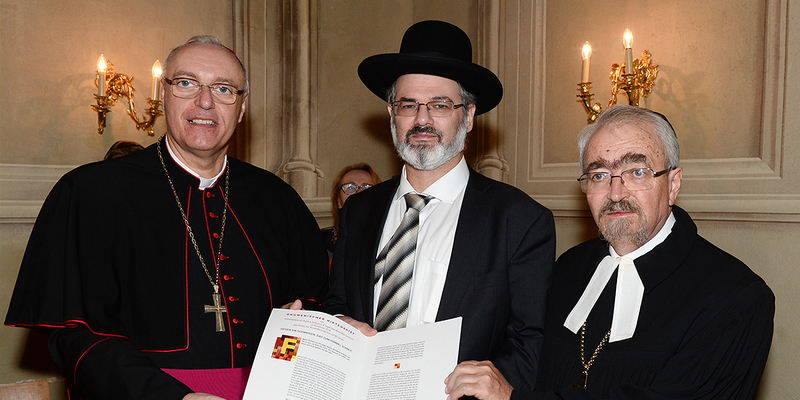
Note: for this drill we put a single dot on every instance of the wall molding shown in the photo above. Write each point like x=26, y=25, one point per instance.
x=281, y=37
x=24, y=188
x=511, y=41
x=729, y=208
x=737, y=189
x=491, y=161
x=299, y=48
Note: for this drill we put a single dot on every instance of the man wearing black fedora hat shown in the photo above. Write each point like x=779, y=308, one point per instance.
x=440, y=240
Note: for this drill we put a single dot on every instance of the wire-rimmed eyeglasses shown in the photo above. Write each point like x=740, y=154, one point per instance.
x=634, y=179
x=186, y=88
x=352, y=188
x=438, y=108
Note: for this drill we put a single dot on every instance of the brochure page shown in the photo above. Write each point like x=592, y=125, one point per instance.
x=310, y=355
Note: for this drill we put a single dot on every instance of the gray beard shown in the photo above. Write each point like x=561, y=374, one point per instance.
x=623, y=230
x=429, y=157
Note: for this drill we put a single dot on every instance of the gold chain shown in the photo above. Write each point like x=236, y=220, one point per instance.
x=586, y=366
x=214, y=282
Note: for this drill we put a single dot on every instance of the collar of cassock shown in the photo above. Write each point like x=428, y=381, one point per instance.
x=630, y=290
x=205, y=183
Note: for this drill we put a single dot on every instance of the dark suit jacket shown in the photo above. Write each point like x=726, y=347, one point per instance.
x=497, y=279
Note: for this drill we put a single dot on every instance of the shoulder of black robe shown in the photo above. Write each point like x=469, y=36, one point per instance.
x=706, y=320
x=287, y=227
x=101, y=261
x=105, y=214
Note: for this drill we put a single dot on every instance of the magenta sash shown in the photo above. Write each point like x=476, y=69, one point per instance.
x=228, y=383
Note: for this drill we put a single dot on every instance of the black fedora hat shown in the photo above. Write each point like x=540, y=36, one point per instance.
x=433, y=48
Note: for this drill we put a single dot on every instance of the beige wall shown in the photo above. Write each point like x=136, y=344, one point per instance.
x=725, y=81
x=48, y=53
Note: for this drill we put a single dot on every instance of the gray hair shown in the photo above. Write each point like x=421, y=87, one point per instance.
x=642, y=118
x=214, y=41
x=467, y=98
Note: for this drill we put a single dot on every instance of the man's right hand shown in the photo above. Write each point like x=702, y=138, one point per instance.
x=362, y=327
x=477, y=378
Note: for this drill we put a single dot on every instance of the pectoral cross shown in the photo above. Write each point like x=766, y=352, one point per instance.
x=584, y=378
x=218, y=308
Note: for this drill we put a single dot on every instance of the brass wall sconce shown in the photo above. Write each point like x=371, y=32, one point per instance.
x=111, y=86
x=634, y=77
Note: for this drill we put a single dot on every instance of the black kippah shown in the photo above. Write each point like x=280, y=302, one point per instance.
x=665, y=120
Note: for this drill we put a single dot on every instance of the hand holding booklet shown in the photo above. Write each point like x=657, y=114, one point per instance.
x=309, y=355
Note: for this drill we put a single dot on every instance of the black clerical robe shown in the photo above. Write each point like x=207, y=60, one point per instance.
x=704, y=329
x=111, y=269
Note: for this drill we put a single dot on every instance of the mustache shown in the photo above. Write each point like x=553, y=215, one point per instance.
x=617, y=206
x=424, y=129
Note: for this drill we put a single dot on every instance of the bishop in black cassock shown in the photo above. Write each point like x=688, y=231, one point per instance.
x=112, y=273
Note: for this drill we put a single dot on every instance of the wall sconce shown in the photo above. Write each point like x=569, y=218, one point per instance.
x=111, y=85
x=635, y=77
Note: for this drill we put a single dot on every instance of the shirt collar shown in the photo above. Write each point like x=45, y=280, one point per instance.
x=447, y=188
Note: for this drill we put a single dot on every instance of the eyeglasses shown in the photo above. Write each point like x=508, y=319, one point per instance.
x=186, y=88
x=352, y=188
x=438, y=108
x=634, y=180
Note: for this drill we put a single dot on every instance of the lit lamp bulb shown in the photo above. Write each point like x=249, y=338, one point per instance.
x=586, y=56
x=101, y=72
x=156, y=81
x=627, y=41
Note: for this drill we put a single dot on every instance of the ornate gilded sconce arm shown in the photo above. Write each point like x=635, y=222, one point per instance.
x=119, y=85
x=102, y=109
x=636, y=85
x=153, y=112
x=635, y=77
x=592, y=111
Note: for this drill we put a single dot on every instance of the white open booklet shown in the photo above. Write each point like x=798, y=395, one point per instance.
x=309, y=355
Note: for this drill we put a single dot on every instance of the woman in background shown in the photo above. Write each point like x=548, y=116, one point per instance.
x=350, y=180
x=122, y=148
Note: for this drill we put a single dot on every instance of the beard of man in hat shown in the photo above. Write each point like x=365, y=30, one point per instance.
x=480, y=249
x=425, y=142
x=433, y=69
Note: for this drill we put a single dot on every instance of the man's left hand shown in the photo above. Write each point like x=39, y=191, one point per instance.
x=477, y=378
x=296, y=305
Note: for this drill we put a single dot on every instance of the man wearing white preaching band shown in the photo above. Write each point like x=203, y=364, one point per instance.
x=649, y=310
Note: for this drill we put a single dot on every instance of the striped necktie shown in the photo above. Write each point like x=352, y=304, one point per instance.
x=395, y=264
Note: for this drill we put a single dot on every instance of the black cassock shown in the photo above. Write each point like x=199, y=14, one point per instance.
x=110, y=259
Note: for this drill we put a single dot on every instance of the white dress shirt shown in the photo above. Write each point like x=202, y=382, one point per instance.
x=437, y=230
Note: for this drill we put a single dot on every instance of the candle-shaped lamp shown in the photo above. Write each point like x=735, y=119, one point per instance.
x=627, y=41
x=586, y=56
x=101, y=76
x=156, y=81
